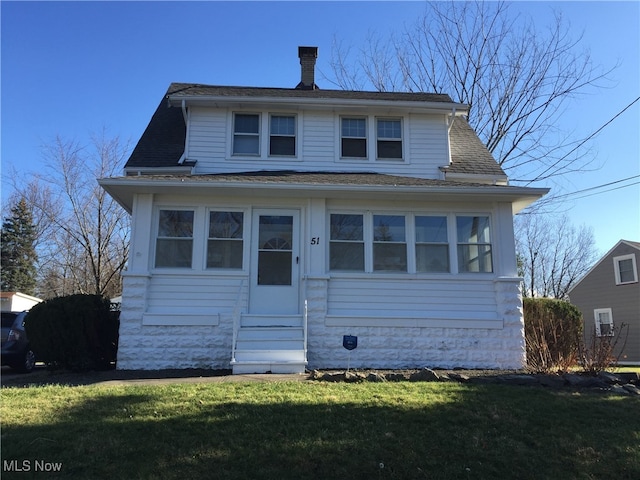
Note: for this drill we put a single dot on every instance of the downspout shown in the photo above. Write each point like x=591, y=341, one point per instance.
x=452, y=117
x=450, y=120
x=185, y=115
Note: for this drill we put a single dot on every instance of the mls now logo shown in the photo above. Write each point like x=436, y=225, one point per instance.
x=28, y=466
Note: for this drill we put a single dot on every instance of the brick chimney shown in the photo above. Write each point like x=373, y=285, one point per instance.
x=307, y=57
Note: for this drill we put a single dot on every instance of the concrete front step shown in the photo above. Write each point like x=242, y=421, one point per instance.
x=270, y=333
x=252, y=320
x=276, y=349
x=239, y=368
x=272, y=356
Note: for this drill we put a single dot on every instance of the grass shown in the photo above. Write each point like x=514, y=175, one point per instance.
x=319, y=430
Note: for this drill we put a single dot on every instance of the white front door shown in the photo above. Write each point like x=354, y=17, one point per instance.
x=275, y=262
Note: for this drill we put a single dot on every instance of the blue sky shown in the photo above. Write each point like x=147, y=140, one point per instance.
x=72, y=68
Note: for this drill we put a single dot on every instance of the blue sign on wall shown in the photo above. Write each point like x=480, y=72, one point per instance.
x=349, y=342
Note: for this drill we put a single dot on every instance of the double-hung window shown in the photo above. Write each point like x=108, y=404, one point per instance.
x=246, y=134
x=225, y=244
x=353, y=133
x=346, y=242
x=625, y=269
x=389, y=243
x=432, y=244
x=474, y=244
x=282, y=135
x=174, y=244
x=604, y=322
x=389, y=132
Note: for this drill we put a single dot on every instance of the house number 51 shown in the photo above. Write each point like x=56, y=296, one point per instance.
x=315, y=240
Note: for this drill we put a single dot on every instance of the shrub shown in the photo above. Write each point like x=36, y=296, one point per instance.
x=599, y=353
x=553, y=332
x=78, y=332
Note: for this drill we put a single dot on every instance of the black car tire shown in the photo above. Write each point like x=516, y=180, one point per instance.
x=28, y=362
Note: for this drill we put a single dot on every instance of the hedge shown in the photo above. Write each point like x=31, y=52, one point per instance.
x=78, y=332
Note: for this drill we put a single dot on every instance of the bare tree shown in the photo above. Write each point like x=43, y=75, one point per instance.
x=516, y=78
x=83, y=234
x=553, y=254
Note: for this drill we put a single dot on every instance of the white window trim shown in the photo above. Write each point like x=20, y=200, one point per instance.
x=259, y=135
x=264, y=134
x=401, y=140
x=371, y=139
x=295, y=134
x=616, y=268
x=195, y=238
x=245, y=233
x=596, y=317
x=410, y=242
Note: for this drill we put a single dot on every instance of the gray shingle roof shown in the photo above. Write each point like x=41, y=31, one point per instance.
x=468, y=153
x=162, y=143
x=190, y=89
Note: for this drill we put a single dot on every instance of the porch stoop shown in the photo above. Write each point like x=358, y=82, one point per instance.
x=269, y=344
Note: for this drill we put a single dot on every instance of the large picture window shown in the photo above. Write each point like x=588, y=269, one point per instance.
x=432, y=245
x=174, y=244
x=225, y=245
x=246, y=134
x=389, y=243
x=474, y=244
x=346, y=244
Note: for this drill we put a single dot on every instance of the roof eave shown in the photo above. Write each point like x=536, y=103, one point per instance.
x=321, y=102
x=124, y=190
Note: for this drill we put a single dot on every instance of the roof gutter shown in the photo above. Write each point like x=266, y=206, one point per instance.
x=320, y=102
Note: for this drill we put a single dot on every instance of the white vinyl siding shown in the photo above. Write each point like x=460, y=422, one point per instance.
x=396, y=298
x=317, y=144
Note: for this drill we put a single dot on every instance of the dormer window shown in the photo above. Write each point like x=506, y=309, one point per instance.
x=354, y=137
x=246, y=134
x=282, y=135
x=389, y=132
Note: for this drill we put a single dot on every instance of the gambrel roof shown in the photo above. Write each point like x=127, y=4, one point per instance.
x=162, y=143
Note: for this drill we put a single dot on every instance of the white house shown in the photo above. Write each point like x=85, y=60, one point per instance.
x=268, y=223
x=17, y=302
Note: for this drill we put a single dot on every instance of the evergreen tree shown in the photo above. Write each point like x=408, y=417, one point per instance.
x=18, y=254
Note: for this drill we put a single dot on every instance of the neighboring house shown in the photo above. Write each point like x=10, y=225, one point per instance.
x=609, y=297
x=17, y=302
x=269, y=223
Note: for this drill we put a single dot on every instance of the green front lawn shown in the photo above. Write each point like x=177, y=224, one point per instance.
x=319, y=430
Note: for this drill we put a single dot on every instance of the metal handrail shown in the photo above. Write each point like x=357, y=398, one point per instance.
x=304, y=328
x=236, y=319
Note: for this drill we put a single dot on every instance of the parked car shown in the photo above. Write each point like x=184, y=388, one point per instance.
x=16, y=350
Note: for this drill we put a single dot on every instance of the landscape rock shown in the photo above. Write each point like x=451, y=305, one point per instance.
x=518, y=379
x=619, y=390
x=632, y=389
x=552, y=381
x=424, y=375
x=609, y=377
x=376, y=377
x=397, y=376
x=459, y=377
